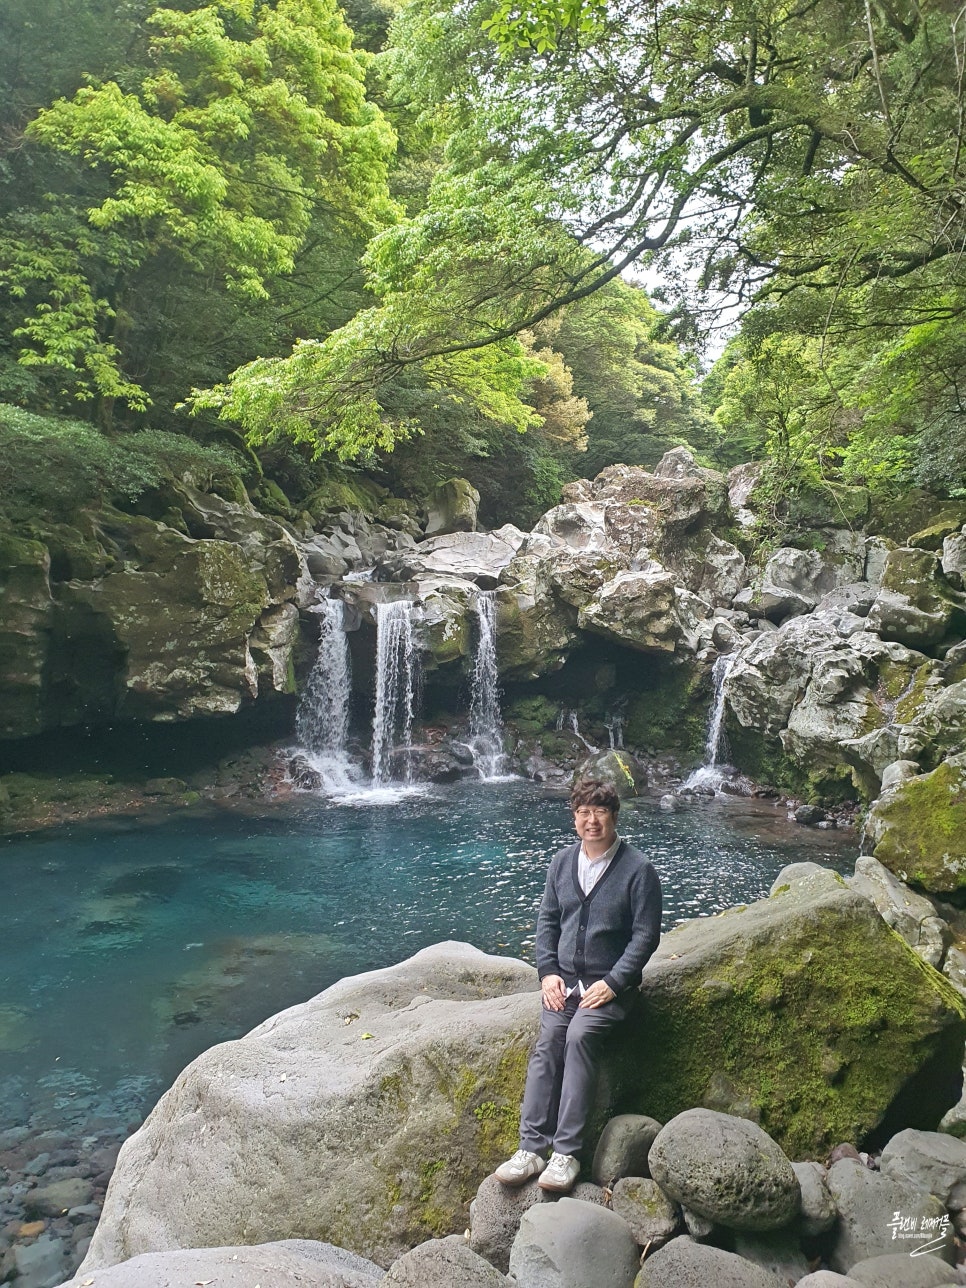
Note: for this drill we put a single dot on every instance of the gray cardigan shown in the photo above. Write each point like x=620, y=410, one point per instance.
x=608, y=934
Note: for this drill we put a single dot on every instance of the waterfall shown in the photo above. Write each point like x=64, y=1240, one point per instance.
x=486, y=722
x=322, y=719
x=575, y=730
x=396, y=689
x=710, y=774
x=615, y=732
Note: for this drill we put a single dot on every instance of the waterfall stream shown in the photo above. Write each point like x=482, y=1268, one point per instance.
x=397, y=686
x=711, y=774
x=322, y=719
x=486, y=721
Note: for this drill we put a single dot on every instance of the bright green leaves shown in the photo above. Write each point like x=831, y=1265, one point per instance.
x=538, y=25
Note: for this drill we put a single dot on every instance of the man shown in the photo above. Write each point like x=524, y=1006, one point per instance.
x=599, y=922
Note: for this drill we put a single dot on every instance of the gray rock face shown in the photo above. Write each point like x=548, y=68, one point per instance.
x=291, y=1263
x=818, y=1211
x=347, y=1122
x=623, y=1148
x=726, y=1169
x=794, y=580
x=915, y=606
x=742, y=481
x=636, y=609
x=650, y=1215
x=443, y=1263
x=827, y=1279
x=682, y=1263
x=867, y=1203
x=475, y=556
x=929, y=1160
x=452, y=507
x=912, y=915
x=570, y=1244
x=899, y=1270
x=534, y=630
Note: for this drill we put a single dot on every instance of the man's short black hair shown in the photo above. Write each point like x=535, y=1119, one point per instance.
x=592, y=791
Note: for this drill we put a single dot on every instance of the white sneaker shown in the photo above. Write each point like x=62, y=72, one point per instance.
x=560, y=1174
x=520, y=1168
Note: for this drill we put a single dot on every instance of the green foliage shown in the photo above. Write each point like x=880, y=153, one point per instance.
x=53, y=467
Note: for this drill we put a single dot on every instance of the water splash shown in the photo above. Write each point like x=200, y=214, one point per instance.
x=322, y=719
x=712, y=773
x=486, y=721
x=397, y=685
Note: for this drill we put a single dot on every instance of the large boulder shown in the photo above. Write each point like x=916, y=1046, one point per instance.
x=912, y=915
x=875, y=1210
x=452, y=507
x=916, y=605
x=795, y=580
x=570, y=1244
x=726, y=1169
x=929, y=1160
x=443, y=1263
x=918, y=829
x=535, y=631
x=473, y=556
x=810, y=1008
x=636, y=609
x=364, y=1117
x=682, y=1263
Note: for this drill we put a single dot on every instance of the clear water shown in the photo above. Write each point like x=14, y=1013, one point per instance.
x=127, y=949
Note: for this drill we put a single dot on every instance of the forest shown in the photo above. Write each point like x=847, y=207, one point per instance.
x=511, y=241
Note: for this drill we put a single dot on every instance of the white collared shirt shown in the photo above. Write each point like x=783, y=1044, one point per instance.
x=590, y=871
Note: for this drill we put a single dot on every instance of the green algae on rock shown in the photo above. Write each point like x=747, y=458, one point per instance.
x=918, y=830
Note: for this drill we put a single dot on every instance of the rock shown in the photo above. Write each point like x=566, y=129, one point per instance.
x=937, y=726
x=452, y=507
x=446, y=607
x=289, y=1263
x=578, y=575
x=52, y=1200
x=810, y=979
x=636, y=609
x=725, y=1169
x=495, y=1216
x=827, y=1279
x=954, y=968
x=443, y=1263
x=928, y=1160
x=534, y=630
x=742, y=481
x=650, y=1215
x=899, y=1270
x=570, y=1244
x=915, y=605
x=954, y=558
x=371, y=1144
x=479, y=557
x=682, y=1263
x=912, y=916
x=681, y=502
x=623, y=1148
x=918, y=829
x=165, y=786
x=776, y=1251
x=898, y=772
x=795, y=580
x=698, y=1227
x=818, y=1212
x=867, y=1203
x=809, y=815
x=712, y=568
x=624, y=771
x=39, y=1264
x=830, y=505
x=26, y=609
x=578, y=526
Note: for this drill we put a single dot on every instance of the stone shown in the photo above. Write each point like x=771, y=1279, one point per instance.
x=915, y=604
x=929, y=1160
x=900, y=1270
x=479, y=557
x=623, y=1148
x=793, y=581
x=288, y=1263
x=682, y=1263
x=39, y=1264
x=742, y=481
x=370, y=1144
x=569, y=1244
x=725, y=1169
x=827, y=1279
x=809, y=979
x=619, y=768
x=680, y=501
x=578, y=575
x=918, y=829
x=52, y=1200
x=535, y=632
x=954, y=968
x=452, y=507
x=709, y=566
x=443, y=1263
x=650, y=1215
x=577, y=526
x=698, y=1227
x=954, y=558
x=636, y=609
x=867, y=1203
x=495, y=1216
x=910, y=914
x=897, y=772
x=776, y=1251
x=818, y=1212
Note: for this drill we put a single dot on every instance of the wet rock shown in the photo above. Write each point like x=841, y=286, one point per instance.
x=867, y=1202
x=624, y=771
x=443, y=1263
x=623, y=1148
x=40, y=1264
x=569, y=1244
x=742, y=481
x=25, y=625
x=52, y=1200
x=725, y=1169
x=809, y=815
x=534, y=630
x=650, y=1215
x=913, y=916
x=682, y=1263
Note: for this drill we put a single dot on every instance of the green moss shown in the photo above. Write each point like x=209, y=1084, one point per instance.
x=531, y=714
x=670, y=710
x=924, y=839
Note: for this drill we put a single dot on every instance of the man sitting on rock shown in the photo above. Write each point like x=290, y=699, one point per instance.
x=599, y=922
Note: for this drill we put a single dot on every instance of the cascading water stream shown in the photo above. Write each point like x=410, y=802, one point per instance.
x=322, y=719
x=710, y=774
x=397, y=684
x=486, y=721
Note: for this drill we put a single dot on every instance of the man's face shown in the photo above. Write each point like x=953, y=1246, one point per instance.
x=595, y=823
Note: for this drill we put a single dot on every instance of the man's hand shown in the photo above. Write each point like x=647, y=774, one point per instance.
x=554, y=992
x=597, y=995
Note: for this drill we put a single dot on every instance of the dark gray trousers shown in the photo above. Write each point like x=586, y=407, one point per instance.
x=562, y=1074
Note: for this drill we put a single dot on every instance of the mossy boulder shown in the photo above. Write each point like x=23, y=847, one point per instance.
x=816, y=1014
x=25, y=622
x=918, y=830
x=535, y=631
x=833, y=505
x=365, y=1117
x=916, y=605
x=452, y=507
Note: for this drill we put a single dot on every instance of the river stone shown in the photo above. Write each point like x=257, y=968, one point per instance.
x=930, y=1160
x=827, y=1279
x=619, y=768
x=726, y=1169
x=809, y=979
x=38, y=1264
x=52, y=1200
x=867, y=1202
x=452, y=507
x=364, y=1116
x=900, y=1270
x=776, y=1251
x=910, y=914
x=443, y=1263
x=918, y=830
x=682, y=1263
x=289, y=1263
x=818, y=1211
x=651, y=1216
x=623, y=1148
x=570, y=1244
x=495, y=1216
